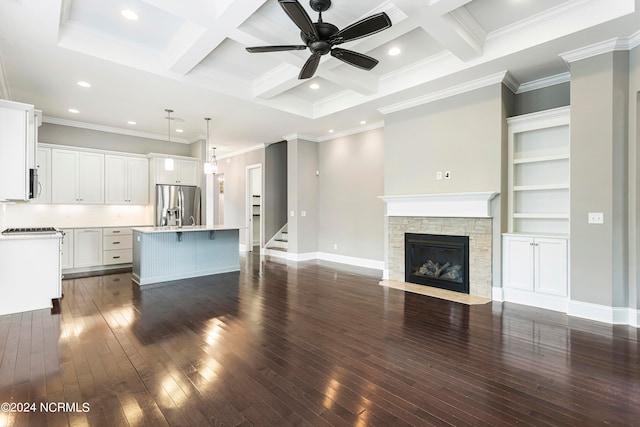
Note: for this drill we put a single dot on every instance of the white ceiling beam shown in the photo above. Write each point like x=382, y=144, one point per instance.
x=226, y=21
x=353, y=79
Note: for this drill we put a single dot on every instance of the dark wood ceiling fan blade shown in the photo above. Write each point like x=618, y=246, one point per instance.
x=363, y=28
x=300, y=17
x=310, y=67
x=260, y=49
x=354, y=58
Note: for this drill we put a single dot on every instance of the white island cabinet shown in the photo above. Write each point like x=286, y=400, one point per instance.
x=162, y=254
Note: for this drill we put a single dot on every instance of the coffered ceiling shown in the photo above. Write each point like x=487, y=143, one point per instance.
x=190, y=56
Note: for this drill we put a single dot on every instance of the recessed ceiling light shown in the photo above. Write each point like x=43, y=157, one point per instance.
x=84, y=84
x=394, y=51
x=179, y=130
x=330, y=130
x=314, y=86
x=130, y=14
x=73, y=110
x=363, y=122
x=131, y=122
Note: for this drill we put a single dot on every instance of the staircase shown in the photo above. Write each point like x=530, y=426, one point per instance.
x=280, y=241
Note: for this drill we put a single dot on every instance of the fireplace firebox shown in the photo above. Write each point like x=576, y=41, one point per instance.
x=438, y=261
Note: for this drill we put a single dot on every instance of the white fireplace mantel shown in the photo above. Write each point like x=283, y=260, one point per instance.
x=458, y=205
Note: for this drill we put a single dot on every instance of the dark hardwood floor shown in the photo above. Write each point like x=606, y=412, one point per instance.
x=308, y=344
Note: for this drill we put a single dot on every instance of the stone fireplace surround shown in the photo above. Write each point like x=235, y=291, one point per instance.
x=457, y=214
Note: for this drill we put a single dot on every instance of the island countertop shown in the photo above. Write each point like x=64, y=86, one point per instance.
x=184, y=229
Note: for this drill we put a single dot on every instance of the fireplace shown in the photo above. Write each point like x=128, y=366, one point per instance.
x=440, y=261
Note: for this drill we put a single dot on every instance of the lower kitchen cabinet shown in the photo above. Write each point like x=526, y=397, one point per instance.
x=535, y=270
x=87, y=247
x=117, y=246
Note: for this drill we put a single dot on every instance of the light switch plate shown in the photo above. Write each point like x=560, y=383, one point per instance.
x=596, y=218
x=439, y=175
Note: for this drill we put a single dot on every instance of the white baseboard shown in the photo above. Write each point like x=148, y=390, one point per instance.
x=583, y=310
x=603, y=313
x=549, y=302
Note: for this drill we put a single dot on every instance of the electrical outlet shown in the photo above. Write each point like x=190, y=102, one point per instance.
x=596, y=218
x=293, y=213
x=439, y=175
x=335, y=246
x=303, y=213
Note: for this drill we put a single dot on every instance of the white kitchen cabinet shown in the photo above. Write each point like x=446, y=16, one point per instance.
x=126, y=180
x=185, y=172
x=43, y=165
x=66, y=248
x=117, y=246
x=18, y=141
x=536, y=265
x=77, y=177
x=87, y=247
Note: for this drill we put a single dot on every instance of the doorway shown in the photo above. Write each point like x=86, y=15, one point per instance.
x=253, y=236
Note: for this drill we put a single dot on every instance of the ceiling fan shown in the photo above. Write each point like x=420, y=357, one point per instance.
x=321, y=37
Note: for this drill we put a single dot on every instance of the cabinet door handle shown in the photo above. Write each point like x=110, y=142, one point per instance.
x=116, y=243
x=115, y=231
x=116, y=257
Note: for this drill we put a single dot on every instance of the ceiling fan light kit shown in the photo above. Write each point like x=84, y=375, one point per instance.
x=322, y=37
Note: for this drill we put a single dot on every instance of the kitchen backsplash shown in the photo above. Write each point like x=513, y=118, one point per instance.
x=70, y=216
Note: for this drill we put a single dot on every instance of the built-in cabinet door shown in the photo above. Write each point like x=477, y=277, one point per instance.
x=66, y=254
x=518, y=262
x=537, y=264
x=77, y=177
x=87, y=247
x=64, y=173
x=91, y=178
x=115, y=179
x=43, y=165
x=551, y=266
x=138, y=177
x=187, y=172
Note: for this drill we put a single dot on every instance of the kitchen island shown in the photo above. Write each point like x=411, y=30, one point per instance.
x=162, y=254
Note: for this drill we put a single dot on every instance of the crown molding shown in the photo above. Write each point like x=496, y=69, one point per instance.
x=544, y=82
x=353, y=131
x=607, y=46
x=291, y=136
x=110, y=129
x=243, y=151
x=447, y=93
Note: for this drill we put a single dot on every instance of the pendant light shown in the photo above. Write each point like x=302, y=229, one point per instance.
x=211, y=166
x=168, y=162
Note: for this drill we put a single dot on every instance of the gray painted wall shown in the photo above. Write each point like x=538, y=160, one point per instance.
x=543, y=99
x=461, y=134
x=599, y=179
x=235, y=188
x=76, y=137
x=351, y=215
x=275, y=184
x=302, y=195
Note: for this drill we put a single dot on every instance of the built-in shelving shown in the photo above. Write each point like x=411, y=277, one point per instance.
x=539, y=181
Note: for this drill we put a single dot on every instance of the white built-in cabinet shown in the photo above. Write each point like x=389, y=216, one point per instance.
x=535, y=250
x=43, y=165
x=126, y=180
x=535, y=264
x=185, y=171
x=87, y=247
x=117, y=245
x=539, y=172
x=77, y=177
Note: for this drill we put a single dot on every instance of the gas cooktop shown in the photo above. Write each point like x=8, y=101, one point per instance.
x=30, y=230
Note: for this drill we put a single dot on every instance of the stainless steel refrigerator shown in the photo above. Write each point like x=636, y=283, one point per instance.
x=177, y=205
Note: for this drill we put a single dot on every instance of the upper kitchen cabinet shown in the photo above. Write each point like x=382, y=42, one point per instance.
x=43, y=165
x=126, y=180
x=77, y=177
x=185, y=170
x=18, y=141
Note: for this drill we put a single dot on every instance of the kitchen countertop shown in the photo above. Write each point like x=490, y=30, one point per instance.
x=184, y=229
x=30, y=236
